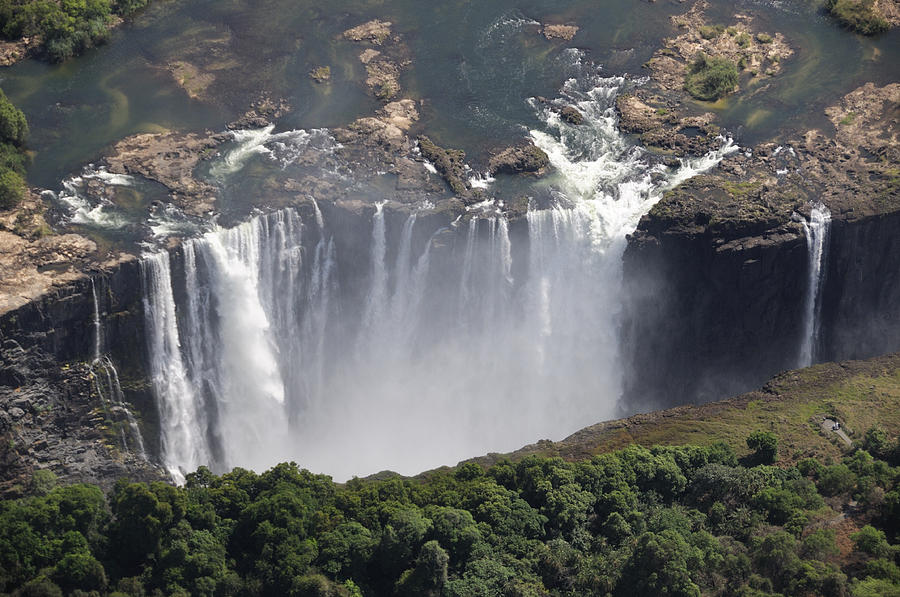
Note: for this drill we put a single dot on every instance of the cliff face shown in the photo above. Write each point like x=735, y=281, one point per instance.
x=706, y=321
x=861, y=301
x=710, y=317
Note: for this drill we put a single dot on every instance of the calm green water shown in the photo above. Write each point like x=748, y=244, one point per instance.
x=474, y=64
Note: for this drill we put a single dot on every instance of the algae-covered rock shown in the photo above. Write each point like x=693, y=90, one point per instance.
x=450, y=163
x=519, y=159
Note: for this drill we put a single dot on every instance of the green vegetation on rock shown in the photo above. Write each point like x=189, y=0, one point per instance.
x=682, y=521
x=65, y=28
x=709, y=78
x=13, y=132
x=858, y=15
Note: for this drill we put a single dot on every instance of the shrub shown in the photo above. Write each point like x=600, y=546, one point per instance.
x=710, y=78
x=876, y=442
x=764, y=445
x=857, y=15
x=128, y=7
x=764, y=38
x=12, y=189
x=872, y=541
x=13, y=126
x=836, y=479
x=711, y=31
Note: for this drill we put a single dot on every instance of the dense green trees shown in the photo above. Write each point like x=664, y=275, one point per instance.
x=66, y=27
x=660, y=521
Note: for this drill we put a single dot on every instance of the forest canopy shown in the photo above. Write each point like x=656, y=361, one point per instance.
x=681, y=521
x=66, y=28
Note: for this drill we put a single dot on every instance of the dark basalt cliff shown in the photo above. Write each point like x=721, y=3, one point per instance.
x=861, y=297
x=709, y=318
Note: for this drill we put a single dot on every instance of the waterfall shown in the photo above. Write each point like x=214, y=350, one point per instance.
x=817, y=232
x=183, y=440
x=452, y=342
x=110, y=393
x=98, y=329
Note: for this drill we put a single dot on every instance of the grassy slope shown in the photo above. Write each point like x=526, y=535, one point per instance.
x=859, y=393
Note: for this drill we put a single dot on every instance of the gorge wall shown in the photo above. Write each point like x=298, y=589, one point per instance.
x=713, y=316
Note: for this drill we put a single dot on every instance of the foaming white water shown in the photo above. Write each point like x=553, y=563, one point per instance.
x=439, y=344
x=817, y=232
x=93, y=211
x=248, y=143
x=285, y=148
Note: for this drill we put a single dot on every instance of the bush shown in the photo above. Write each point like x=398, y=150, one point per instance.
x=710, y=78
x=129, y=7
x=12, y=189
x=857, y=15
x=836, y=479
x=877, y=443
x=764, y=445
x=13, y=126
x=711, y=31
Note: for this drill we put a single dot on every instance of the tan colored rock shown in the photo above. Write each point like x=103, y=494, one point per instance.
x=566, y=32
x=401, y=114
x=170, y=159
x=13, y=51
x=33, y=260
x=890, y=10
x=374, y=31
x=368, y=55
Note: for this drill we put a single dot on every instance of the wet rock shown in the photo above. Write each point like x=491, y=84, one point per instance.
x=190, y=78
x=450, y=163
x=526, y=158
x=71, y=440
x=571, y=115
x=169, y=158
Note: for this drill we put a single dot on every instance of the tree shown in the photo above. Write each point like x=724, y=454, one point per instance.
x=429, y=576
x=876, y=443
x=13, y=126
x=764, y=445
x=659, y=566
x=872, y=541
x=12, y=189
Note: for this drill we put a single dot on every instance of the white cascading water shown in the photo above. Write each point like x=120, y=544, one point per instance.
x=183, y=430
x=110, y=392
x=473, y=340
x=817, y=232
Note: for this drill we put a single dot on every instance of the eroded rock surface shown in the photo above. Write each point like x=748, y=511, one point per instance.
x=33, y=259
x=169, y=158
x=51, y=417
x=519, y=159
